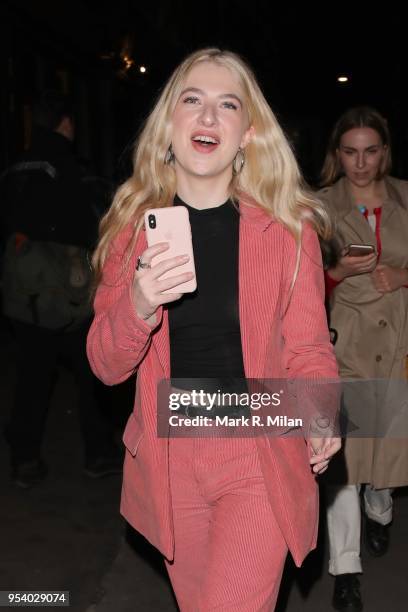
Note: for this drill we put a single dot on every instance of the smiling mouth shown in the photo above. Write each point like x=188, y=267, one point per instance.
x=205, y=140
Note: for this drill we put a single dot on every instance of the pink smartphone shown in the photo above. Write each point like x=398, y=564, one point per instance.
x=172, y=225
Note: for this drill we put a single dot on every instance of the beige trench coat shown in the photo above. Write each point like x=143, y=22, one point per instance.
x=373, y=337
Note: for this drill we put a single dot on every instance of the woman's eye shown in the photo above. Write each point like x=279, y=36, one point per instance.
x=230, y=105
x=191, y=100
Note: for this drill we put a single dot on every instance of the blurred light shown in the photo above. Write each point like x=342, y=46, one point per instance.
x=127, y=61
x=142, y=68
x=342, y=79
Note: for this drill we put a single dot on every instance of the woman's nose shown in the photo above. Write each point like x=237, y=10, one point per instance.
x=208, y=116
x=360, y=160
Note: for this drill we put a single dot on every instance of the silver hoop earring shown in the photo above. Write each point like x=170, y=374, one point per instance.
x=169, y=157
x=239, y=161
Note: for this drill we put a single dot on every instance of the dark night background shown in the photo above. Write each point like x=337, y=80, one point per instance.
x=67, y=534
x=297, y=53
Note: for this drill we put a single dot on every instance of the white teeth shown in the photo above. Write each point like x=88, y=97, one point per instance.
x=205, y=139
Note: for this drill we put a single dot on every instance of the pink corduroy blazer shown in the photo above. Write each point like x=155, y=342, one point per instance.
x=284, y=334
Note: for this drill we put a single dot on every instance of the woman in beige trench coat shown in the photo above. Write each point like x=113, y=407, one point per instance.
x=369, y=310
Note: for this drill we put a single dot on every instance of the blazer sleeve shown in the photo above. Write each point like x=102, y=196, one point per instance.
x=308, y=355
x=118, y=339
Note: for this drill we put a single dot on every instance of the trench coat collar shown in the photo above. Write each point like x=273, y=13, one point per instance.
x=349, y=213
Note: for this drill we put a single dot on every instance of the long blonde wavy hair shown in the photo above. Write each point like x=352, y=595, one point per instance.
x=269, y=179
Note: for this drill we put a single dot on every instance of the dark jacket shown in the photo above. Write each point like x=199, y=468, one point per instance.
x=48, y=202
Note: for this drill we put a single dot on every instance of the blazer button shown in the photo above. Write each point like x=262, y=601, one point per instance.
x=378, y=358
x=382, y=323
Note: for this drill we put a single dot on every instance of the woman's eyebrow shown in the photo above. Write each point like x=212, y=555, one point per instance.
x=221, y=96
x=373, y=146
x=232, y=95
x=193, y=89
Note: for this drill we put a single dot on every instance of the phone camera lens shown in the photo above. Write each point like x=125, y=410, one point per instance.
x=152, y=221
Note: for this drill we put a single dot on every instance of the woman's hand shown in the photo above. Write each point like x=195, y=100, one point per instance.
x=387, y=279
x=323, y=450
x=352, y=266
x=148, y=288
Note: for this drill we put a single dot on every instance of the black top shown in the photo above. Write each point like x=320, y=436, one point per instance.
x=205, y=338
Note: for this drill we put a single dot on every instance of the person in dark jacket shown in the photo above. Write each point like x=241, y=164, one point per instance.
x=44, y=199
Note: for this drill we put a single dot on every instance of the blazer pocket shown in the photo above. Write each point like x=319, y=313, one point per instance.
x=132, y=435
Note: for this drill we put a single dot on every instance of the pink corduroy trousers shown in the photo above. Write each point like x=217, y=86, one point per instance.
x=229, y=551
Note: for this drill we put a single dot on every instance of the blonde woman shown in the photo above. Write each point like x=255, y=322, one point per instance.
x=369, y=305
x=223, y=511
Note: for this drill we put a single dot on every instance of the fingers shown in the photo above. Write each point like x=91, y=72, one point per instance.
x=380, y=280
x=148, y=289
x=170, y=297
x=154, y=250
x=168, y=264
x=321, y=467
x=324, y=450
x=366, y=258
x=361, y=259
x=174, y=281
x=364, y=264
x=380, y=272
x=359, y=265
x=319, y=463
x=317, y=459
x=382, y=286
x=164, y=266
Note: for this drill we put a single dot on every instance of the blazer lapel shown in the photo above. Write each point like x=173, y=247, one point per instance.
x=259, y=281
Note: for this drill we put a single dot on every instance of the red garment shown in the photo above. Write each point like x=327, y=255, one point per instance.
x=377, y=213
x=284, y=334
x=330, y=283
